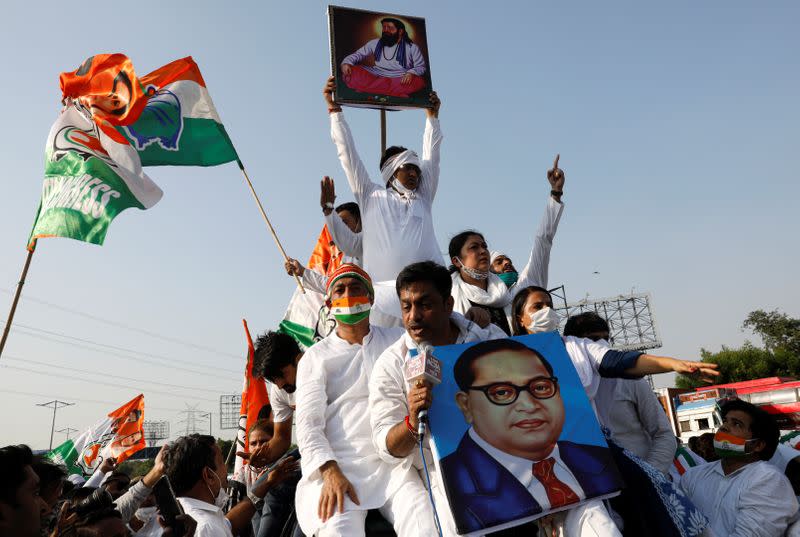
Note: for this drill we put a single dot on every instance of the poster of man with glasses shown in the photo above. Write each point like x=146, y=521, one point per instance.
x=514, y=434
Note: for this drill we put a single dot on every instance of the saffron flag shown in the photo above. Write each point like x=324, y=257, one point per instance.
x=326, y=256
x=113, y=124
x=254, y=398
x=117, y=435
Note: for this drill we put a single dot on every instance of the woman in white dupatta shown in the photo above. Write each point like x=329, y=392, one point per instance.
x=485, y=296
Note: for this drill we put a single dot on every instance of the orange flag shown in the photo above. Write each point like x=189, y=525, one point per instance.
x=326, y=256
x=254, y=397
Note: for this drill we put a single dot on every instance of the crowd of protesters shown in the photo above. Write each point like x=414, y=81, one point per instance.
x=362, y=467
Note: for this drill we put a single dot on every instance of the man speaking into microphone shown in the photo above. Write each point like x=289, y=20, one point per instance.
x=395, y=403
x=343, y=475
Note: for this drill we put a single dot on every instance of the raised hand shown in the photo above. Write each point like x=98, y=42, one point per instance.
x=327, y=93
x=556, y=178
x=433, y=110
x=327, y=195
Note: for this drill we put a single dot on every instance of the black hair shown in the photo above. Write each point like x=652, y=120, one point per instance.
x=117, y=475
x=50, y=474
x=351, y=207
x=463, y=371
x=96, y=515
x=390, y=152
x=584, y=324
x=13, y=460
x=519, y=304
x=122, y=77
x=185, y=458
x=399, y=25
x=458, y=242
x=273, y=352
x=426, y=271
x=763, y=425
x=262, y=425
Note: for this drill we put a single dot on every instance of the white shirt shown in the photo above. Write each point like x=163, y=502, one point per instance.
x=282, y=403
x=210, y=520
x=333, y=424
x=349, y=243
x=522, y=469
x=637, y=421
x=535, y=271
x=754, y=501
x=395, y=232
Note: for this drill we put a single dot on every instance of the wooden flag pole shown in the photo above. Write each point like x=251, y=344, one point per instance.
x=269, y=224
x=383, y=132
x=21, y=282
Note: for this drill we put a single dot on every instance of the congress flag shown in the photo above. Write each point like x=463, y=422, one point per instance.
x=113, y=124
x=118, y=435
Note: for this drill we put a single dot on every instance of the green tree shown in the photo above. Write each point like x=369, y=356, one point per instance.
x=780, y=356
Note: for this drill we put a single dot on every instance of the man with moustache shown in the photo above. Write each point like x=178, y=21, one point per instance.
x=510, y=464
x=392, y=65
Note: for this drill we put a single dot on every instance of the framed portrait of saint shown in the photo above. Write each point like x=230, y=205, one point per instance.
x=514, y=435
x=378, y=59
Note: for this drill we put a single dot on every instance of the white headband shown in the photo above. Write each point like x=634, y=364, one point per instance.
x=393, y=163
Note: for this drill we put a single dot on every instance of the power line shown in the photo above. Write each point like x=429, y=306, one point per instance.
x=105, y=345
x=100, y=373
x=171, y=365
x=81, y=400
x=114, y=385
x=55, y=407
x=121, y=325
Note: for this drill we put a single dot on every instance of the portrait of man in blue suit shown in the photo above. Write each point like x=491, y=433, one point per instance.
x=510, y=464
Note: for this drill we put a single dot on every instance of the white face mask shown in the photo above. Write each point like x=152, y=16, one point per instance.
x=145, y=513
x=544, y=320
x=222, y=496
x=473, y=273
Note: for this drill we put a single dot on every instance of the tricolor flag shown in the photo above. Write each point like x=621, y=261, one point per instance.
x=118, y=435
x=113, y=124
x=254, y=398
x=684, y=459
x=307, y=317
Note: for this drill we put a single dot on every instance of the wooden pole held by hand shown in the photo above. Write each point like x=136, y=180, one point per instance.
x=269, y=224
x=21, y=282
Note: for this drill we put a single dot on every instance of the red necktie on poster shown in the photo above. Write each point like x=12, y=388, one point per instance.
x=558, y=492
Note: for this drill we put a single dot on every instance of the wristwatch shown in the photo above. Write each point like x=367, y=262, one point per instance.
x=253, y=498
x=328, y=205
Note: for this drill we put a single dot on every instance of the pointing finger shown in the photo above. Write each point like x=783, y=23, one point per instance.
x=555, y=163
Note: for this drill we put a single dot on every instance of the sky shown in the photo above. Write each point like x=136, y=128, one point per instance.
x=677, y=128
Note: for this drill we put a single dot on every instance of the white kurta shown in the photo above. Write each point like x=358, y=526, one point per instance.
x=535, y=271
x=395, y=231
x=333, y=424
x=389, y=406
x=343, y=237
x=754, y=501
x=282, y=403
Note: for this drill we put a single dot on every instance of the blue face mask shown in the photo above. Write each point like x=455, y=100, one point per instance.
x=509, y=278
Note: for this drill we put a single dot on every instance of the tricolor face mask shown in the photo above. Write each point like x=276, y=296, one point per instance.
x=727, y=445
x=350, y=309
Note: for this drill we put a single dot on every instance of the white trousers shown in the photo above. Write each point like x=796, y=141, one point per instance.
x=409, y=511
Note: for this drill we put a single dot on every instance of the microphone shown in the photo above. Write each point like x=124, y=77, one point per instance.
x=423, y=365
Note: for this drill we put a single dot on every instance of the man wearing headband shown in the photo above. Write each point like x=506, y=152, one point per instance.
x=396, y=213
x=742, y=494
x=343, y=474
